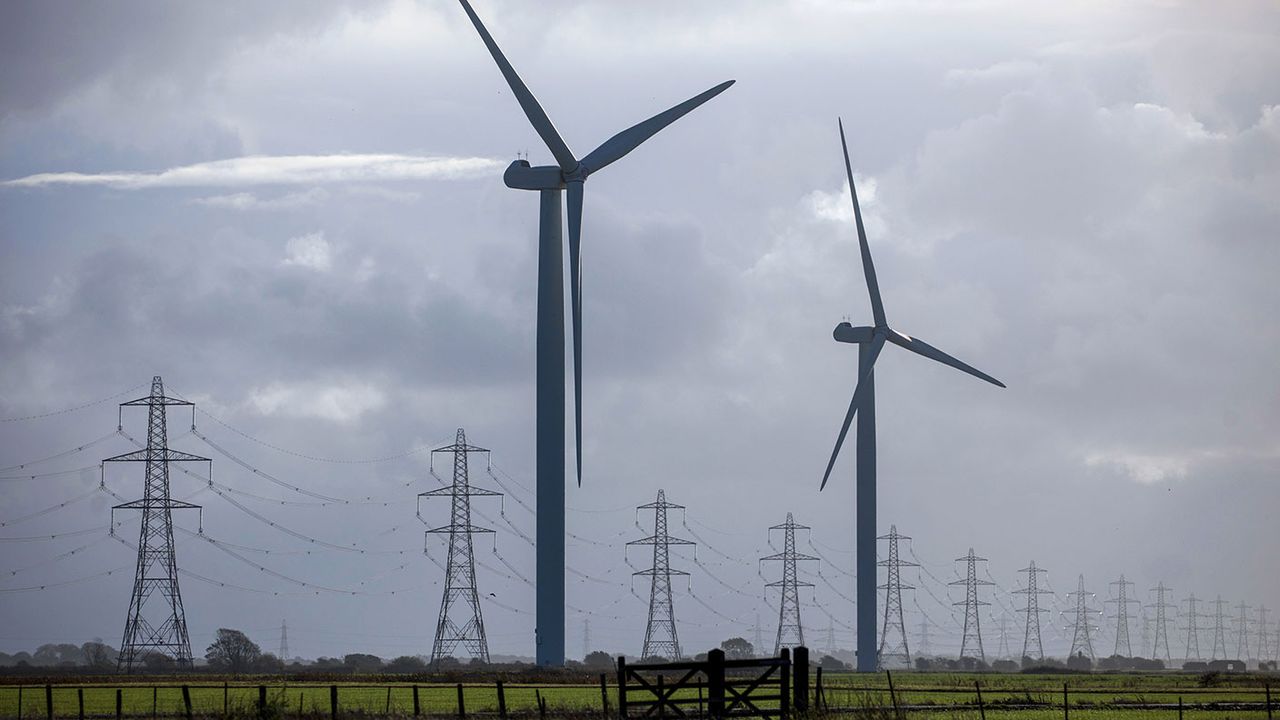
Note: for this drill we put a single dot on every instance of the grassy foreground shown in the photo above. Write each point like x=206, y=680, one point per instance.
x=951, y=695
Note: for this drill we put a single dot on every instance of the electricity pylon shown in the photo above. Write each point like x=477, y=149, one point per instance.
x=284, y=642
x=660, y=639
x=1081, y=636
x=155, y=625
x=925, y=648
x=460, y=622
x=1263, y=641
x=1193, y=630
x=1242, y=632
x=972, y=625
x=1219, y=629
x=1162, y=623
x=790, y=628
x=893, y=635
x=1031, y=638
x=1002, y=650
x=1123, y=647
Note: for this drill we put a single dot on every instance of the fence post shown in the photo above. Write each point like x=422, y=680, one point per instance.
x=48, y=700
x=982, y=710
x=1066, y=704
x=893, y=696
x=784, y=703
x=502, y=702
x=819, y=698
x=262, y=701
x=80, y=701
x=622, y=688
x=19, y=702
x=119, y=703
x=387, y=710
x=186, y=700
x=1179, y=707
x=542, y=704
x=1268, y=686
x=417, y=706
x=604, y=696
x=715, y=683
x=224, y=698
x=462, y=708
x=662, y=699
x=154, y=700
x=333, y=701
x=800, y=679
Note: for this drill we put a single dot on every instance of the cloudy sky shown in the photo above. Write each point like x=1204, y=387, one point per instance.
x=294, y=213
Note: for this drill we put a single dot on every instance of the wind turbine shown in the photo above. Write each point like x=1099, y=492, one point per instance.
x=569, y=173
x=870, y=340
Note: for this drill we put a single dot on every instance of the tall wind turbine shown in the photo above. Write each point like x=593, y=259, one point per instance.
x=870, y=340
x=569, y=173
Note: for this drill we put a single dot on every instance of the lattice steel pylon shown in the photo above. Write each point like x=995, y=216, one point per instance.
x=660, y=638
x=1242, y=632
x=155, y=625
x=790, y=629
x=461, y=622
x=1002, y=650
x=972, y=625
x=925, y=648
x=284, y=641
x=1082, y=629
x=1219, y=629
x=1123, y=647
x=1162, y=623
x=1264, y=643
x=1193, y=630
x=894, y=623
x=1031, y=637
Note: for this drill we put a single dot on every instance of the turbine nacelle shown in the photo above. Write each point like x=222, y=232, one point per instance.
x=847, y=333
x=521, y=176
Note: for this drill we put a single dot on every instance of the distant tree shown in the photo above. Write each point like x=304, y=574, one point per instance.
x=156, y=662
x=407, y=664
x=98, y=655
x=598, y=660
x=268, y=663
x=737, y=649
x=362, y=662
x=831, y=664
x=232, y=651
x=448, y=663
x=1004, y=666
x=55, y=654
x=1079, y=662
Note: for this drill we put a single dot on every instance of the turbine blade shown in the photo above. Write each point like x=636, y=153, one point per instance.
x=624, y=142
x=877, y=343
x=575, y=292
x=921, y=347
x=537, y=116
x=868, y=267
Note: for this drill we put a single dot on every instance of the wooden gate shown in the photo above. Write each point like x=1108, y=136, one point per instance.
x=717, y=688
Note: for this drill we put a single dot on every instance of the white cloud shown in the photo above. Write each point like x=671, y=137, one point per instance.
x=1144, y=469
x=839, y=206
x=278, y=170
x=1008, y=70
x=336, y=402
x=249, y=201
x=309, y=251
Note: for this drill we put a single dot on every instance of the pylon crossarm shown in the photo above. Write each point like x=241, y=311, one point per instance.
x=164, y=455
x=446, y=529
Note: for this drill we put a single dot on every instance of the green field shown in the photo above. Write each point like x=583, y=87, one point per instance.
x=951, y=695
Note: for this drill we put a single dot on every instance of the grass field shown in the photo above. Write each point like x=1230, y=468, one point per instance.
x=951, y=695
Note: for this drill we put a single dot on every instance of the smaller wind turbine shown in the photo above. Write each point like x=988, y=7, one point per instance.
x=870, y=340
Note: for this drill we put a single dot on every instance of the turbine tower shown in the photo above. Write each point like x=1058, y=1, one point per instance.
x=569, y=173
x=461, y=622
x=1031, y=638
x=972, y=627
x=790, y=629
x=1193, y=632
x=893, y=620
x=1123, y=647
x=870, y=340
x=660, y=639
x=156, y=622
x=1081, y=636
x=1162, y=624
